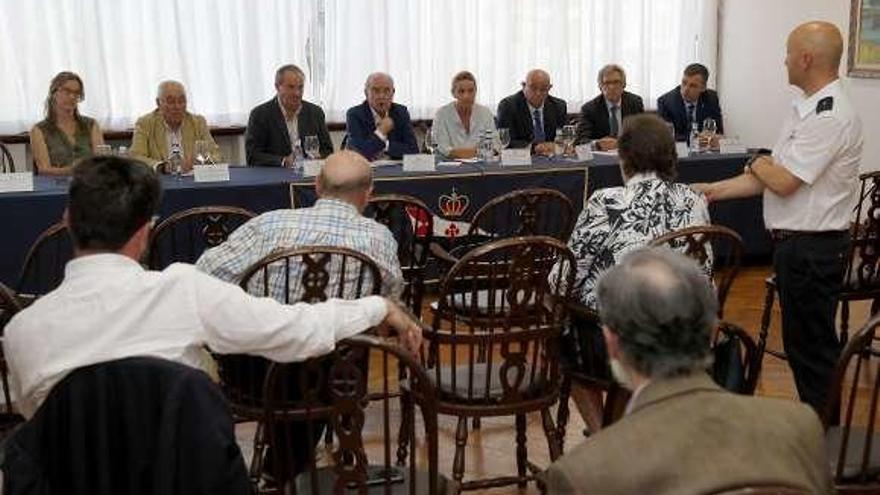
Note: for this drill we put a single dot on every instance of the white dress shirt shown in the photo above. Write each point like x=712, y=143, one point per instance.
x=450, y=133
x=108, y=307
x=823, y=149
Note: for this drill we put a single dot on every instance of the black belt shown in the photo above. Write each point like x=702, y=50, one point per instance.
x=779, y=235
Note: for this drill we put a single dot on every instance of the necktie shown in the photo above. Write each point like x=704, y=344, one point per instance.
x=612, y=120
x=690, y=115
x=539, y=127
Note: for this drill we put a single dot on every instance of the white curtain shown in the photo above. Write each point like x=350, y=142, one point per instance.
x=226, y=51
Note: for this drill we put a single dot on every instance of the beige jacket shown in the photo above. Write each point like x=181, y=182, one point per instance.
x=688, y=436
x=150, y=144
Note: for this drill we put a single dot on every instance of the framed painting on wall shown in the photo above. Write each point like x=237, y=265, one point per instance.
x=864, y=39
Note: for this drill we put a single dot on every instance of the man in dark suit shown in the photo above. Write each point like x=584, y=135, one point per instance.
x=602, y=117
x=283, y=120
x=378, y=126
x=658, y=312
x=690, y=102
x=532, y=115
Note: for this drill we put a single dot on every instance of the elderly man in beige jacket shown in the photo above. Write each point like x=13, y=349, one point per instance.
x=170, y=124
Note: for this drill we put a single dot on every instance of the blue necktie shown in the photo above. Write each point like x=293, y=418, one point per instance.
x=690, y=117
x=539, y=127
x=612, y=118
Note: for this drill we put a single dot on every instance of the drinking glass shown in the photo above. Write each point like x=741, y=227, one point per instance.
x=710, y=127
x=569, y=134
x=430, y=142
x=203, y=152
x=313, y=147
x=504, y=137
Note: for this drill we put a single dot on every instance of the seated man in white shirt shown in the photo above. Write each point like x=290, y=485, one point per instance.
x=344, y=187
x=108, y=307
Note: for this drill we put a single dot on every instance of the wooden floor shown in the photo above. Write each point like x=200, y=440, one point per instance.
x=491, y=449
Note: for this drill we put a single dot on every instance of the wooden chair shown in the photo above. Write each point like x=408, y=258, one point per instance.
x=43, y=268
x=185, y=235
x=716, y=246
x=9, y=306
x=855, y=389
x=742, y=376
x=525, y=212
x=412, y=224
x=7, y=164
x=497, y=299
x=310, y=274
x=861, y=280
x=335, y=389
x=762, y=490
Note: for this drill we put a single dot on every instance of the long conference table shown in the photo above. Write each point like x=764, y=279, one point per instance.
x=454, y=192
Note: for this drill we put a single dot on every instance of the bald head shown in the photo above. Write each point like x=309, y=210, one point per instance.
x=813, y=54
x=346, y=175
x=536, y=87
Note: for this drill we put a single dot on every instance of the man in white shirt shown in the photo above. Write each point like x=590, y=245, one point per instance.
x=108, y=307
x=809, y=187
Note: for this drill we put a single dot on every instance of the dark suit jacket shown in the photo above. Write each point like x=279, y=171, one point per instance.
x=361, y=129
x=671, y=108
x=267, y=142
x=594, y=122
x=140, y=426
x=513, y=113
x=689, y=436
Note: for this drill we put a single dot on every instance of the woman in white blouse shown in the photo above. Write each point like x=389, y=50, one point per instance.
x=458, y=125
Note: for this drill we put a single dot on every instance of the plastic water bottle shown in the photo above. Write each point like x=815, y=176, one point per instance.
x=175, y=160
x=298, y=157
x=694, y=139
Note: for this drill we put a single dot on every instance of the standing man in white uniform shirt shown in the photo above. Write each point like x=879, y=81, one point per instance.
x=809, y=187
x=108, y=307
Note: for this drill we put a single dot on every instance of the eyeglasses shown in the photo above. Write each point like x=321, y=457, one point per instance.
x=67, y=92
x=382, y=91
x=540, y=89
x=613, y=82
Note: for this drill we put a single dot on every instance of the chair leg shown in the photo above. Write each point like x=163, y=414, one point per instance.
x=406, y=425
x=522, y=454
x=553, y=442
x=461, y=435
x=844, y=322
x=769, y=297
x=476, y=424
x=562, y=412
x=328, y=436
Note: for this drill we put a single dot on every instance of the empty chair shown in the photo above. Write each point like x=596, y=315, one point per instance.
x=336, y=390
x=183, y=236
x=412, y=224
x=43, y=268
x=493, y=345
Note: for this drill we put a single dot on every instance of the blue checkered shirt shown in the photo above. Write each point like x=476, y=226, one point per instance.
x=330, y=222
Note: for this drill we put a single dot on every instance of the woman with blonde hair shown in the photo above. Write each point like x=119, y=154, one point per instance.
x=64, y=136
x=459, y=125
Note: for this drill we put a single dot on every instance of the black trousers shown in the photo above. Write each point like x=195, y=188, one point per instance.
x=809, y=272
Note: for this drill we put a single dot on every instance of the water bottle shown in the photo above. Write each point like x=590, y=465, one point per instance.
x=298, y=157
x=484, y=146
x=175, y=160
x=694, y=139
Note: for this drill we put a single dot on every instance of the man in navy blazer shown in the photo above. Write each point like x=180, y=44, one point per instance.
x=378, y=126
x=272, y=125
x=690, y=101
x=522, y=111
x=602, y=117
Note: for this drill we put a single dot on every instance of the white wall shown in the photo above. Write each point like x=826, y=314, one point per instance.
x=752, y=82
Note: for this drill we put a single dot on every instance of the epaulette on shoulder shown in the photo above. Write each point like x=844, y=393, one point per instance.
x=825, y=104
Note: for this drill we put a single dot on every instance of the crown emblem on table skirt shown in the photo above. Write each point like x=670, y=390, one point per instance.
x=453, y=204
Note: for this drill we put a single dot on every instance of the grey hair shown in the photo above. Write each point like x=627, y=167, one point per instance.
x=279, y=74
x=164, y=85
x=375, y=75
x=611, y=68
x=662, y=307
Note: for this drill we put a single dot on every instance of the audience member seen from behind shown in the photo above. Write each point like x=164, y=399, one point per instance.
x=459, y=125
x=171, y=126
x=618, y=220
x=64, y=136
x=686, y=433
x=109, y=307
x=344, y=187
